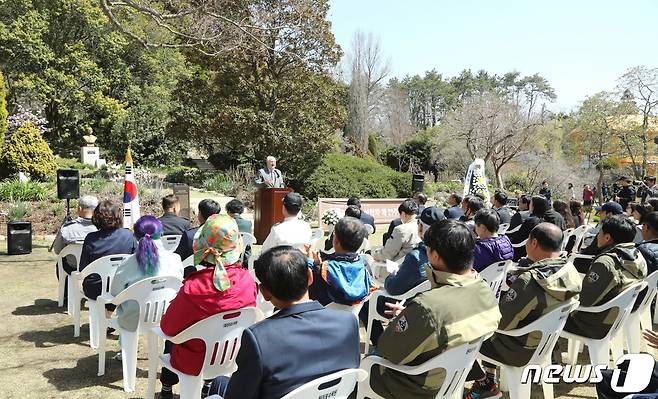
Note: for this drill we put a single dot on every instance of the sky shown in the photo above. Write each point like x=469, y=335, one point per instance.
x=580, y=46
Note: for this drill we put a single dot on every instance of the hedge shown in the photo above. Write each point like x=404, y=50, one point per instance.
x=343, y=176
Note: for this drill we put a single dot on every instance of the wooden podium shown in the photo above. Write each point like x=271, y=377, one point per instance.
x=268, y=210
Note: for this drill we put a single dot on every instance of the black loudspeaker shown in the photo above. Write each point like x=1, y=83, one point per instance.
x=417, y=183
x=19, y=238
x=68, y=183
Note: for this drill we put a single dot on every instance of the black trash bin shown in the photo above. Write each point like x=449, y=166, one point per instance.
x=19, y=238
x=417, y=183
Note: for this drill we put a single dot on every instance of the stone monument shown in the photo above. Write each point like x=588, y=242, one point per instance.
x=89, y=153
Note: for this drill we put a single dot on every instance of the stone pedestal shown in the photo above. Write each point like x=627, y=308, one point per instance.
x=89, y=155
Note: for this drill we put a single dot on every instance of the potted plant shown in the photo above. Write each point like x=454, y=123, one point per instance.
x=329, y=219
x=19, y=232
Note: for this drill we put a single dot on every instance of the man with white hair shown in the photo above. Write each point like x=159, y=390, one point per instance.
x=270, y=176
x=76, y=230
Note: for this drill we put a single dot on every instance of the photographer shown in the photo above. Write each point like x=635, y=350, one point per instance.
x=626, y=193
x=648, y=188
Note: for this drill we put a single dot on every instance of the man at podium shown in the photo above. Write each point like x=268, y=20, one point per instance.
x=269, y=176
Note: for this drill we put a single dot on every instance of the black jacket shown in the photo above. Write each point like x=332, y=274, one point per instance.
x=453, y=212
x=504, y=215
x=518, y=219
x=174, y=225
x=367, y=218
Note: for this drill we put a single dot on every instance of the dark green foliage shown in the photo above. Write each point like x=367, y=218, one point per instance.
x=414, y=154
x=27, y=152
x=14, y=190
x=343, y=176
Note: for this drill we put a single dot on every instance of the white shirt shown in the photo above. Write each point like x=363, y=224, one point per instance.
x=292, y=231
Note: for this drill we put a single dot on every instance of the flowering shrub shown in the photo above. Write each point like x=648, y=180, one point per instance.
x=330, y=217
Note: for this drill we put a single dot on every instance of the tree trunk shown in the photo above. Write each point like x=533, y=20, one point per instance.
x=499, y=178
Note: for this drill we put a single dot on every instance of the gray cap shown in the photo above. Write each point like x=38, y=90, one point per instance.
x=87, y=202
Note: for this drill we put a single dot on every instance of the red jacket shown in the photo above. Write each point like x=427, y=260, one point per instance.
x=198, y=299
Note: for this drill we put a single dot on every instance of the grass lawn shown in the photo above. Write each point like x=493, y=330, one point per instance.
x=40, y=357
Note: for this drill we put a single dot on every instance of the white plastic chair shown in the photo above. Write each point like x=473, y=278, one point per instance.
x=514, y=230
x=171, y=242
x=520, y=245
x=641, y=318
x=566, y=235
x=248, y=239
x=153, y=295
x=189, y=261
x=73, y=249
x=495, y=274
x=354, y=309
x=343, y=384
x=372, y=305
x=264, y=306
x=502, y=228
x=599, y=349
x=316, y=235
x=221, y=334
x=369, y=229
x=105, y=267
x=456, y=362
x=550, y=325
x=579, y=233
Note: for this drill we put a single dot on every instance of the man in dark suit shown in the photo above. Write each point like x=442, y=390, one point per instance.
x=454, y=210
x=499, y=202
x=173, y=224
x=207, y=208
x=522, y=213
x=366, y=218
x=303, y=341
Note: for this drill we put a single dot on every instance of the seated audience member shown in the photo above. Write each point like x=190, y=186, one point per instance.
x=220, y=287
x=490, y=247
x=471, y=205
x=522, y=212
x=366, y=218
x=171, y=222
x=410, y=274
x=638, y=211
x=207, y=208
x=564, y=210
x=404, y=237
x=618, y=265
x=149, y=260
x=420, y=199
x=351, y=211
x=604, y=388
x=577, y=212
x=552, y=216
x=303, y=341
x=292, y=231
x=235, y=209
x=459, y=308
x=538, y=289
x=454, y=210
x=604, y=211
x=110, y=239
x=499, y=202
x=649, y=247
x=538, y=208
x=653, y=201
x=341, y=277
x=75, y=231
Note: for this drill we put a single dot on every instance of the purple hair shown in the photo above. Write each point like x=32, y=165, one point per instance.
x=147, y=229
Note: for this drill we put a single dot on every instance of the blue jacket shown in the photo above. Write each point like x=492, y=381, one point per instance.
x=366, y=218
x=411, y=272
x=453, y=212
x=346, y=277
x=490, y=250
x=292, y=347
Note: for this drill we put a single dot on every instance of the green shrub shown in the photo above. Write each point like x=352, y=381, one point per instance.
x=444, y=187
x=18, y=211
x=72, y=163
x=184, y=175
x=27, y=152
x=342, y=176
x=218, y=183
x=415, y=153
x=94, y=185
x=516, y=182
x=14, y=190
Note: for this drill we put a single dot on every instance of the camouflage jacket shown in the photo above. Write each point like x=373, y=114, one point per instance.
x=458, y=309
x=614, y=270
